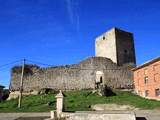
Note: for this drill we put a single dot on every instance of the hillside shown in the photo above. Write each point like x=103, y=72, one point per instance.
x=76, y=101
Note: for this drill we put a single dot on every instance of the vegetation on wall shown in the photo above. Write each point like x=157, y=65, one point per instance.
x=28, y=69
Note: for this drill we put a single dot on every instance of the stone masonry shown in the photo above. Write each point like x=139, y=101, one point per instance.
x=118, y=45
x=74, y=77
x=114, y=52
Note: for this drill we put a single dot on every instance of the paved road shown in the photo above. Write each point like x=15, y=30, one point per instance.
x=24, y=116
x=147, y=115
x=140, y=114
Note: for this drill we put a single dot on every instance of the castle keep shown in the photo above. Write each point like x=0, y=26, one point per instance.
x=118, y=45
x=113, y=49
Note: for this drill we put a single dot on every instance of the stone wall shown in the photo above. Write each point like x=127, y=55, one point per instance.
x=73, y=77
x=94, y=115
x=106, y=45
x=125, y=47
x=118, y=45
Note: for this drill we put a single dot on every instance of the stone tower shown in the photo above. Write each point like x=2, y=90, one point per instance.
x=118, y=45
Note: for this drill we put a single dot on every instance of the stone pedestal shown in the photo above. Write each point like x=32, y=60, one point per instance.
x=59, y=104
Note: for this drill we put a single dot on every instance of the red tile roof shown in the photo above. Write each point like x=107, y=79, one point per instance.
x=146, y=63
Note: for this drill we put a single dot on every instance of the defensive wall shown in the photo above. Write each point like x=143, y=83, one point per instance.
x=72, y=77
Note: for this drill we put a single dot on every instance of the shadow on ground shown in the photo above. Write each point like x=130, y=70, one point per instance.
x=141, y=118
x=107, y=91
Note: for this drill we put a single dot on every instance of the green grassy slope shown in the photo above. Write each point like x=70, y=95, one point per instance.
x=76, y=101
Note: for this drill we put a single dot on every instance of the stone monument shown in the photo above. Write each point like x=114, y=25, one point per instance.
x=59, y=104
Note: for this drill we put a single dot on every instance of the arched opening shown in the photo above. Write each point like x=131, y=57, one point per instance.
x=104, y=38
x=99, y=79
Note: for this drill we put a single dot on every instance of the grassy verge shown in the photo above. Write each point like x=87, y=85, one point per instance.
x=76, y=101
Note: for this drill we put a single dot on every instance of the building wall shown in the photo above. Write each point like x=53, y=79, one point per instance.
x=105, y=45
x=74, y=77
x=117, y=45
x=125, y=47
x=152, y=71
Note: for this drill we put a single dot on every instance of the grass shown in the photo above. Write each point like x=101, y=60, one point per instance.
x=76, y=101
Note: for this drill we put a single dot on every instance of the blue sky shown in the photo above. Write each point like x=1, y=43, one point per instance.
x=63, y=31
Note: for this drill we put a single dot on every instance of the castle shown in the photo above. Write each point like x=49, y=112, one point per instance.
x=117, y=45
x=115, y=55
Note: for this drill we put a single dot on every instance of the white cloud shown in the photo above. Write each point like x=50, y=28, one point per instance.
x=72, y=10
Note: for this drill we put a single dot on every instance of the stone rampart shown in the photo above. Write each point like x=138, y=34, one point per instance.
x=72, y=77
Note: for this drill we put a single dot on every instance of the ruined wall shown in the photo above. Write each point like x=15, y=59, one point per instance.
x=73, y=77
